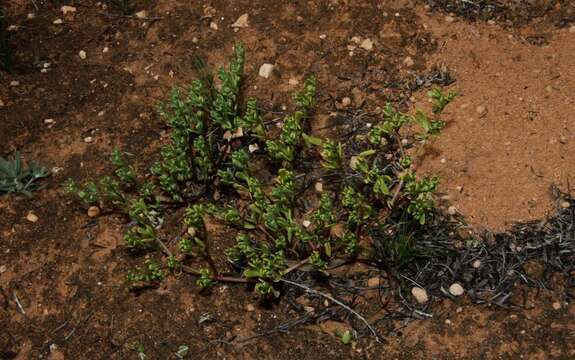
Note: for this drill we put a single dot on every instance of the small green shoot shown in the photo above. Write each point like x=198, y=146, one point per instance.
x=440, y=100
x=15, y=177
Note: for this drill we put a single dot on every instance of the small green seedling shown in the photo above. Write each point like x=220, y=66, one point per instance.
x=346, y=337
x=182, y=352
x=15, y=177
x=440, y=100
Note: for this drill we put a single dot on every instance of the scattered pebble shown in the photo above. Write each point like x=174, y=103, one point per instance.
x=408, y=61
x=1, y=103
x=241, y=22
x=14, y=83
x=459, y=310
x=491, y=22
x=93, y=211
x=556, y=305
x=266, y=70
x=88, y=139
x=191, y=231
x=49, y=121
x=31, y=16
x=366, y=44
x=443, y=161
x=404, y=142
x=373, y=282
x=447, y=322
x=476, y=264
x=58, y=22
x=253, y=148
x=419, y=294
x=3, y=269
x=565, y=204
x=214, y=26
x=452, y=210
x=293, y=81
x=141, y=14
x=572, y=29
x=308, y=309
x=456, y=289
x=67, y=9
x=250, y=308
x=481, y=110
x=323, y=36
x=563, y=139
x=32, y=217
x=105, y=50
x=318, y=187
x=82, y=54
x=12, y=28
x=306, y=223
x=346, y=101
x=449, y=19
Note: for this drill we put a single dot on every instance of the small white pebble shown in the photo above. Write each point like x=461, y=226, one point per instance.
x=30, y=16
x=306, y=223
x=82, y=54
x=476, y=264
x=318, y=186
x=323, y=36
x=452, y=210
x=88, y=139
x=14, y=83
x=67, y=9
x=346, y=101
x=105, y=50
x=32, y=217
x=49, y=121
x=419, y=294
x=141, y=14
x=366, y=44
x=456, y=289
x=253, y=148
x=58, y=22
x=565, y=204
x=408, y=61
x=443, y=161
x=213, y=26
x=266, y=70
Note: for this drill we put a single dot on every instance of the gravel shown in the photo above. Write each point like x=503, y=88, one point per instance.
x=419, y=294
